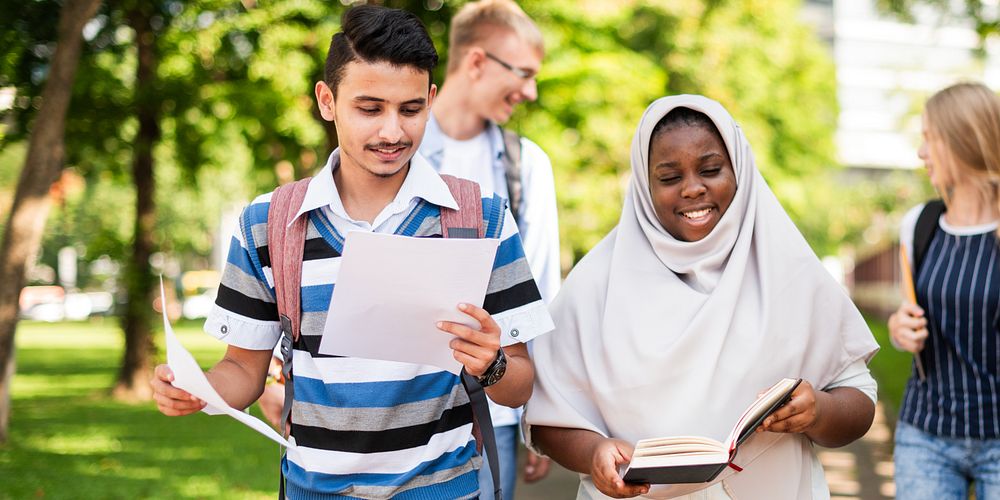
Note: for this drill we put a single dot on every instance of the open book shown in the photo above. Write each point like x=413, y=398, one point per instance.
x=697, y=459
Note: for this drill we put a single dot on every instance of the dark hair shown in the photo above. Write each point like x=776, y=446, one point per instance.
x=684, y=117
x=373, y=34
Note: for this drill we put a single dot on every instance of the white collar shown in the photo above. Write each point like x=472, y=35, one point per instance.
x=421, y=182
x=967, y=230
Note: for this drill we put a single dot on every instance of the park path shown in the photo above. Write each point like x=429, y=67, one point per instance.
x=862, y=470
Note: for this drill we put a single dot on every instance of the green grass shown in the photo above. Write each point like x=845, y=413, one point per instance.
x=69, y=439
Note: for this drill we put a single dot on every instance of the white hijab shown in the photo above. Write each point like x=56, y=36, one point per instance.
x=659, y=337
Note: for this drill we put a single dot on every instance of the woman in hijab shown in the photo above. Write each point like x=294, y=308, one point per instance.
x=704, y=295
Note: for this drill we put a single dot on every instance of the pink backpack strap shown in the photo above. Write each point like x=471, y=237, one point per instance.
x=467, y=221
x=285, y=245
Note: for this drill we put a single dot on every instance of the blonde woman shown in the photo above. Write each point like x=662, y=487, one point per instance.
x=948, y=435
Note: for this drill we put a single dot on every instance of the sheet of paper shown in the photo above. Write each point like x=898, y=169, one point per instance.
x=392, y=290
x=189, y=376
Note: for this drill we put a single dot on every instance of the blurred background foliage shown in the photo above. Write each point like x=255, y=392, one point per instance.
x=234, y=89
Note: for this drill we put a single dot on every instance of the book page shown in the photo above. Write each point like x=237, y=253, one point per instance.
x=655, y=443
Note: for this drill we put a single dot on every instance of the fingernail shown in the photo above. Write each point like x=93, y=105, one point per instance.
x=440, y=324
x=463, y=306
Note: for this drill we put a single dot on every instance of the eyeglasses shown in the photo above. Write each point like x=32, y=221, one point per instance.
x=520, y=72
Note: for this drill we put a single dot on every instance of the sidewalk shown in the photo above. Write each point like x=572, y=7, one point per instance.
x=862, y=470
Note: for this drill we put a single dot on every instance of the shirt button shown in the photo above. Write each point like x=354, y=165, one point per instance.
x=514, y=332
x=224, y=329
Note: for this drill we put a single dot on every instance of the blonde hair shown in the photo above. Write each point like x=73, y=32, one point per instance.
x=477, y=21
x=965, y=118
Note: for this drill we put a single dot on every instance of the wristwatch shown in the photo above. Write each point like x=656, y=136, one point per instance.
x=495, y=371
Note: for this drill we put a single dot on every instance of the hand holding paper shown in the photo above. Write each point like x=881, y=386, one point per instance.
x=188, y=376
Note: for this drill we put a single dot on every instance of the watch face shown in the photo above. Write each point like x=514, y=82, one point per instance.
x=495, y=372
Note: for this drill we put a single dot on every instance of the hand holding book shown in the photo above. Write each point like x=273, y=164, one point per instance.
x=799, y=414
x=609, y=454
x=696, y=459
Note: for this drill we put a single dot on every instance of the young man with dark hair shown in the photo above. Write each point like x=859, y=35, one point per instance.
x=362, y=427
x=495, y=52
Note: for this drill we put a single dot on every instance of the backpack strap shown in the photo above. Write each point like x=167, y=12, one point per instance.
x=467, y=222
x=923, y=232
x=512, y=170
x=482, y=420
x=286, y=240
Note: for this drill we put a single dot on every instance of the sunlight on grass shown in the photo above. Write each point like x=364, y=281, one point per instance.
x=41, y=385
x=70, y=440
x=78, y=444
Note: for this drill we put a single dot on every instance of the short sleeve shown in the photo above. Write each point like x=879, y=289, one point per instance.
x=245, y=313
x=512, y=296
x=858, y=376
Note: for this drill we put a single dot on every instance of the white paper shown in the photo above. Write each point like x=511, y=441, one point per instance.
x=188, y=376
x=392, y=290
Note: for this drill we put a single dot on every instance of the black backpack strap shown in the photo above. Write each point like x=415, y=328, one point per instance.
x=481, y=411
x=512, y=170
x=923, y=233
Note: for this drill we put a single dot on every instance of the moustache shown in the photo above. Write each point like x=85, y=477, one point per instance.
x=390, y=145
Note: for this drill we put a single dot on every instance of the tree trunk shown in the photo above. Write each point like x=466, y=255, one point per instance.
x=136, y=367
x=42, y=166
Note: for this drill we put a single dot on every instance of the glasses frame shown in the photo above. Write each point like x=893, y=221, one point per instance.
x=519, y=72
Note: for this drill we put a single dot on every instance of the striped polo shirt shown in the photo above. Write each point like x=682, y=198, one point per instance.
x=958, y=286
x=368, y=428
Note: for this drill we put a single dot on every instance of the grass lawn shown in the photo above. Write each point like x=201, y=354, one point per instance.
x=70, y=440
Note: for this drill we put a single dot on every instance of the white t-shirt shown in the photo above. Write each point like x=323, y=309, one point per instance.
x=466, y=159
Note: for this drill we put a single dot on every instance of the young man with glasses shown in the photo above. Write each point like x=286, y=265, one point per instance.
x=495, y=52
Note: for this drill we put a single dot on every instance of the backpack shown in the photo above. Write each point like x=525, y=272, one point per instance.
x=286, y=243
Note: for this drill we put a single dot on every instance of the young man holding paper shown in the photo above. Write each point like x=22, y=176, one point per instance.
x=365, y=427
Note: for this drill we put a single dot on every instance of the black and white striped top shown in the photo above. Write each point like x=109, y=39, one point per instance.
x=958, y=286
